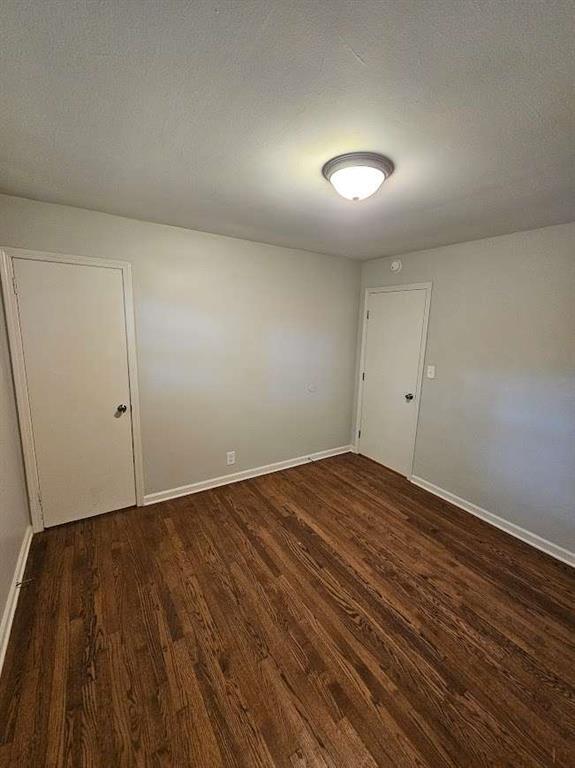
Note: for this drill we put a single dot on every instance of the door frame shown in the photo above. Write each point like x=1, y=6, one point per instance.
x=422, y=349
x=15, y=343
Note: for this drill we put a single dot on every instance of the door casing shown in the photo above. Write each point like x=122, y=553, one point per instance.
x=19, y=370
x=360, y=381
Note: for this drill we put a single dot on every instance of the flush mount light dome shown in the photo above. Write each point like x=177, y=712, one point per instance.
x=357, y=175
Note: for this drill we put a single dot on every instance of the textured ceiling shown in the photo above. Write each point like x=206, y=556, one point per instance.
x=218, y=114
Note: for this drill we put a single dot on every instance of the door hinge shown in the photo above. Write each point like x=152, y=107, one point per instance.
x=363, y=376
x=15, y=285
x=40, y=502
x=367, y=314
x=359, y=434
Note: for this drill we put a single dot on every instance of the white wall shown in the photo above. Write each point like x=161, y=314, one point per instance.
x=14, y=518
x=231, y=333
x=497, y=424
x=230, y=336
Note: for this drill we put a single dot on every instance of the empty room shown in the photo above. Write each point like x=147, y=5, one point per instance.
x=287, y=384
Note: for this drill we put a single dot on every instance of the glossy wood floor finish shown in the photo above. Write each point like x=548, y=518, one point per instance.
x=329, y=615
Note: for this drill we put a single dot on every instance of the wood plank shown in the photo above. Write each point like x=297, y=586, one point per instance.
x=329, y=615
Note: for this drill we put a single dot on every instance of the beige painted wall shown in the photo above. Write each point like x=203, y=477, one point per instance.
x=14, y=518
x=497, y=424
x=231, y=334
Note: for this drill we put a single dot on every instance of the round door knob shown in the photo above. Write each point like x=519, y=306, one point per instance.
x=122, y=408
x=409, y=397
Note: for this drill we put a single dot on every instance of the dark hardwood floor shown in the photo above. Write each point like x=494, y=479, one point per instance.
x=329, y=615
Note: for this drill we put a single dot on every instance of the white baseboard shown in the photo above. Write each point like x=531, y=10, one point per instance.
x=215, y=482
x=13, y=594
x=515, y=530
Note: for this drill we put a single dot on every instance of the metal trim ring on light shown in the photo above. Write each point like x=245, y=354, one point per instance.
x=352, y=159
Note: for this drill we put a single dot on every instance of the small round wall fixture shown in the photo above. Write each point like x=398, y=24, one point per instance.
x=357, y=175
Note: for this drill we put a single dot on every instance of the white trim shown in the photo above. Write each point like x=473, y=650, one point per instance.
x=21, y=390
x=427, y=287
x=512, y=528
x=13, y=594
x=133, y=383
x=64, y=258
x=19, y=368
x=215, y=482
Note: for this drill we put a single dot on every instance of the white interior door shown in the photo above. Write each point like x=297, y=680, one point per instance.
x=391, y=369
x=73, y=328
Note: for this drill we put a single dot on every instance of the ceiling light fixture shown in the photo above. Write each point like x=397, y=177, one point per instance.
x=357, y=175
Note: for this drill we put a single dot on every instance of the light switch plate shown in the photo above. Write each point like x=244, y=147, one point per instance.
x=430, y=372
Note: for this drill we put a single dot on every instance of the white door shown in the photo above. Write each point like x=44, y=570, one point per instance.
x=391, y=369
x=73, y=327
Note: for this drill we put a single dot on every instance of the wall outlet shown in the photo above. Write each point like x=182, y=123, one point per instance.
x=231, y=457
x=430, y=371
